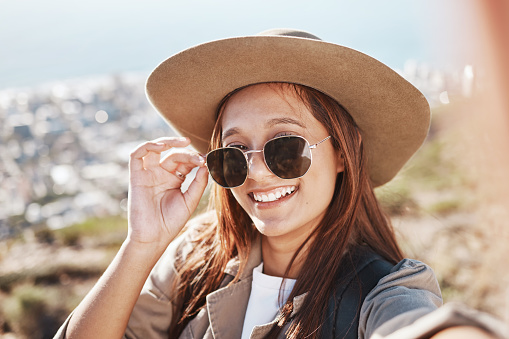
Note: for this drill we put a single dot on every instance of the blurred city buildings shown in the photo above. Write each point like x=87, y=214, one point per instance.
x=64, y=147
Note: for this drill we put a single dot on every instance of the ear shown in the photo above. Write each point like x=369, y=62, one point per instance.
x=340, y=162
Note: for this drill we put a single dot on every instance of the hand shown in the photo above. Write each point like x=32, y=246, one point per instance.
x=157, y=207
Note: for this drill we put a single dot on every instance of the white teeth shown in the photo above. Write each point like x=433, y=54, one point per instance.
x=274, y=195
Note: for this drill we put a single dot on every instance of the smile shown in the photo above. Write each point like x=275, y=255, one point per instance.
x=273, y=195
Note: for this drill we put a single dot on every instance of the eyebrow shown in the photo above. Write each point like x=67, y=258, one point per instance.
x=268, y=124
x=229, y=132
x=283, y=121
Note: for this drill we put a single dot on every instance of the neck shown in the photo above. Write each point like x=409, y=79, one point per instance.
x=278, y=253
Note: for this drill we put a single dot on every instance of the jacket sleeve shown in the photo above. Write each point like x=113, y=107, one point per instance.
x=152, y=314
x=406, y=294
x=407, y=304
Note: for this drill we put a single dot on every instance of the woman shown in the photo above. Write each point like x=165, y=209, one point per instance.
x=295, y=244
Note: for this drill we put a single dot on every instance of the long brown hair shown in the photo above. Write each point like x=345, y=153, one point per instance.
x=353, y=217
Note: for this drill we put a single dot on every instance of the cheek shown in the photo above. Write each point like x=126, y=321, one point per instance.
x=327, y=166
x=322, y=182
x=323, y=188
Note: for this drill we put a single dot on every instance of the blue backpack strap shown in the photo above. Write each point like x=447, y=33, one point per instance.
x=361, y=272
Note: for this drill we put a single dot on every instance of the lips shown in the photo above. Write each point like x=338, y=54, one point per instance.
x=273, y=195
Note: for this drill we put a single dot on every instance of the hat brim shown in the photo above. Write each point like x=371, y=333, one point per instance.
x=392, y=114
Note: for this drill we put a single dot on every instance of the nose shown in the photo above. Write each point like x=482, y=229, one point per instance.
x=257, y=168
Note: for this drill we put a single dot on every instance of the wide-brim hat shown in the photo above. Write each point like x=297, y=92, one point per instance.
x=393, y=116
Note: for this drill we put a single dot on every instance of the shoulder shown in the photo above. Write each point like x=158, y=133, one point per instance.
x=409, y=291
x=408, y=275
x=407, y=304
x=412, y=273
x=164, y=271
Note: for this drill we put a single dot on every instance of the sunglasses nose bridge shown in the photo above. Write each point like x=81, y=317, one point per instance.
x=252, y=167
x=249, y=156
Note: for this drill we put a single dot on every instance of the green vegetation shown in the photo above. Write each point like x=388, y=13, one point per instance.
x=35, y=311
x=108, y=231
x=447, y=206
x=34, y=301
x=434, y=181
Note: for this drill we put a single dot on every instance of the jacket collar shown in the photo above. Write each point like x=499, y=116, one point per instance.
x=227, y=306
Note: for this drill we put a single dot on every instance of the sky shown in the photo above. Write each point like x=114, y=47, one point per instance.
x=48, y=40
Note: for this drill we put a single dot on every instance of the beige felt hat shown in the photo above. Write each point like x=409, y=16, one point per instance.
x=392, y=114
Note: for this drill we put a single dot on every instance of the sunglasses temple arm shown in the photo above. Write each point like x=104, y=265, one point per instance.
x=319, y=142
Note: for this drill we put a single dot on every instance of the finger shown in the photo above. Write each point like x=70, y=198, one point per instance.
x=182, y=161
x=195, y=191
x=183, y=170
x=171, y=140
x=179, y=175
x=156, y=146
x=152, y=159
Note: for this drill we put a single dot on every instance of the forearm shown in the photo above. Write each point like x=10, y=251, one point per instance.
x=105, y=311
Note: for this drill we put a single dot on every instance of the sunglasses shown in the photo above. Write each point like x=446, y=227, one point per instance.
x=288, y=157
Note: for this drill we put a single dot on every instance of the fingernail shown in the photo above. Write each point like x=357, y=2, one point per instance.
x=181, y=138
x=160, y=144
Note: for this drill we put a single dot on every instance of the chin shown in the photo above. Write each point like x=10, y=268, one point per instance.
x=281, y=230
x=269, y=229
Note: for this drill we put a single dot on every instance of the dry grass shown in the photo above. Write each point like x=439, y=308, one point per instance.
x=44, y=275
x=450, y=220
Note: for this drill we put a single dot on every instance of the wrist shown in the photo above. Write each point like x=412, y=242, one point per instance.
x=145, y=254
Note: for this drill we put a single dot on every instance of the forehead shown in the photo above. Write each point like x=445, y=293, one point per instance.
x=266, y=105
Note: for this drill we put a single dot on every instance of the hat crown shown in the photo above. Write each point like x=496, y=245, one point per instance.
x=289, y=32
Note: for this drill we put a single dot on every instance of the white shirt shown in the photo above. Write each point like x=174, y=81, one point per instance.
x=263, y=305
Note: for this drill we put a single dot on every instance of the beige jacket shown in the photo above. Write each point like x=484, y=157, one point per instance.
x=409, y=293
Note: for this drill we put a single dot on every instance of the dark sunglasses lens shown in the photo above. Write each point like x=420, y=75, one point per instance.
x=227, y=166
x=288, y=157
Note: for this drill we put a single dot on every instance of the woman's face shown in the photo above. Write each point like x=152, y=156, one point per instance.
x=257, y=114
